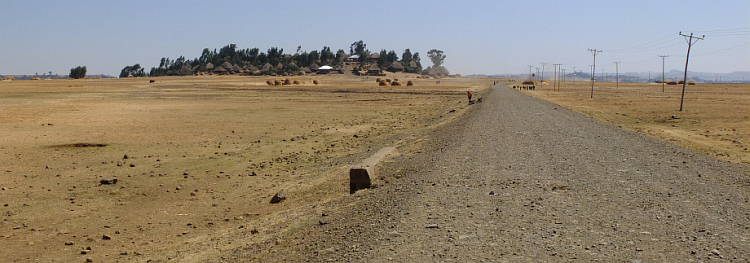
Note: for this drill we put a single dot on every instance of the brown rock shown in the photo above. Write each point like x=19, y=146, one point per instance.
x=278, y=197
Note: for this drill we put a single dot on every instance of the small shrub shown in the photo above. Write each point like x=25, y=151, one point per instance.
x=316, y=82
x=382, y=83
x=409, y=83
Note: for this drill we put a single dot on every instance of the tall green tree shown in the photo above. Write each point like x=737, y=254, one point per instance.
x=436, y=56
x=78, y=72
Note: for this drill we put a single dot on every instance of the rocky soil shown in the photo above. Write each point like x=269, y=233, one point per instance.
x=520, y=179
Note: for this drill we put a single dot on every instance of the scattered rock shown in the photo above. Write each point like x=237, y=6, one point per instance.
x=432, y=226
x=125, y=157
x=106, y=237
x=112, y=180
x=69, y=243
x=278, y=197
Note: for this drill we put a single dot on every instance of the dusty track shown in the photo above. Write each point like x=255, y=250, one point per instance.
x=520, y=179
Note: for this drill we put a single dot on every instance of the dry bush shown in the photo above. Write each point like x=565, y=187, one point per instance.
x=269, y=82
x=395, y=83
x=692, y=82
x=378, y=80
x=151, y=81
x=388, y=80
x=409, y=83
x=528, y=82
x=382, y=83
x=287, y=82
x=316, y=82
x=671, y=82
x=277, y=82
x=35, y=79
x=296, y=82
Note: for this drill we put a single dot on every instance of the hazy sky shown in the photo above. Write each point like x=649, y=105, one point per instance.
x=478, y=37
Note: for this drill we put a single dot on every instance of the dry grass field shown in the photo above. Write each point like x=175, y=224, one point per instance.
x=715, y=117
x=197, y=159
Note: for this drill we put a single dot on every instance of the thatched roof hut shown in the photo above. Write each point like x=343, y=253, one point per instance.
x=236, y=69
x=395, y=67
x=373, y=69
x=266, y=67
x=209, y=66
x=439, y=71
x=314, y=67
x=220, y=70
x=306, y=70
x=226, y=65
x=374, y=56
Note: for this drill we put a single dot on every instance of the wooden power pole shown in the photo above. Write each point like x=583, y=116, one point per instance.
x=690, y=42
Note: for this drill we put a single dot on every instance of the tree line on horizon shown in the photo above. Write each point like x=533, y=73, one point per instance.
x=279, y=62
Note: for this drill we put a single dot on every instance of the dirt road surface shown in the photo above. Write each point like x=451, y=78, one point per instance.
x=523, y=180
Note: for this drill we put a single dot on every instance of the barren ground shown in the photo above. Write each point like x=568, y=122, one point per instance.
x=197, y=158
x=715, y=117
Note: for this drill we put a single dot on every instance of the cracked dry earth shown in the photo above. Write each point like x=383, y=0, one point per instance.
x=523, y=180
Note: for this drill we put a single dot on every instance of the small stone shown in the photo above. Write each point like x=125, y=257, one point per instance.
x=278, y=197
x=432, y=226
x=106, y=237
x=89, y=260
x=492, y=192
x=69, y=243
x=125, y=157
x=322, y=223
x=132, y=165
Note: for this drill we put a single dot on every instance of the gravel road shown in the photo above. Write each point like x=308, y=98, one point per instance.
x=520, y=179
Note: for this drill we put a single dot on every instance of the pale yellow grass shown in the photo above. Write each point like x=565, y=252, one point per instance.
x=715, y=117
x=204, y=157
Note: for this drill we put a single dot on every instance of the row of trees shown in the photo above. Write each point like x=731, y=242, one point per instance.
x=280, y=62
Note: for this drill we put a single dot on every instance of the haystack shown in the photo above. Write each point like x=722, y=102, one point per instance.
x=382, y=83
x=316, y=82
x=409, y=83
x=692, y=82
x=396, y=83
x=296, y=82
x=277, y=82
x=287, y=82
x=269, y=82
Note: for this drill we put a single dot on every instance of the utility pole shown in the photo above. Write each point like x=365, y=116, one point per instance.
x=563, y=74
x=593, y=68
x=687, y=58
x=574, y=75
x=662, y=71
x=556, y=68
x=649, y=76
x=617, y=74
x=529, y=72
x=543, y=64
